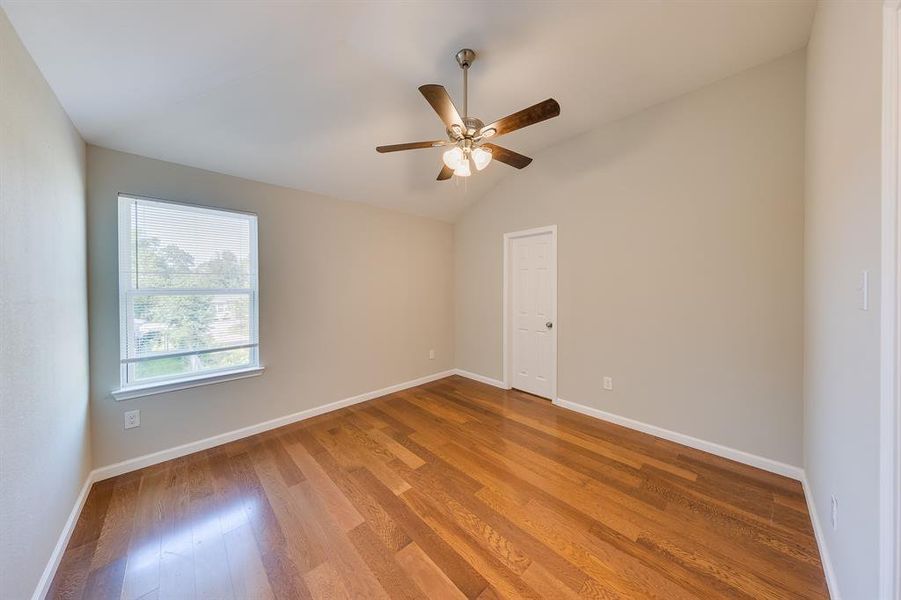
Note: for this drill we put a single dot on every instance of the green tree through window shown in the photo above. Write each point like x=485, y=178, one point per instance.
x=185, y=294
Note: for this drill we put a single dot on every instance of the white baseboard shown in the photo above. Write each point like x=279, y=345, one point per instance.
x=133, y=464
x=831, y=579
x=147, y=460
x=747, y=458
x=210, y=442
x=767, y=464
x=481, y=378
x=50, y=570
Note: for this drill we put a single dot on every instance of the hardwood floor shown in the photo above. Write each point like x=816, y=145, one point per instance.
x=453, y=489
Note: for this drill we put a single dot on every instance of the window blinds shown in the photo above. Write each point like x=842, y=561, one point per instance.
x=187, y=290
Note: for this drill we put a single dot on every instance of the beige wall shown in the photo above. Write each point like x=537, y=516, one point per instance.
x=680, y=262
x=841, y=442
x=351, y=300
x=44, y=434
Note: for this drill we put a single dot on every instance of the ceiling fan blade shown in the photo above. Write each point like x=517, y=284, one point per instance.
x=527, y=116
x=445, y=173
x=411, y=146
x=514, y=159
x=438, y=97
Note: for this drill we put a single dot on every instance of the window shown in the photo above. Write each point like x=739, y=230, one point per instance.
x=187, y=292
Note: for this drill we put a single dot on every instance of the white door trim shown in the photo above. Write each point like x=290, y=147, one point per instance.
x=890, y=404
x=508, y=238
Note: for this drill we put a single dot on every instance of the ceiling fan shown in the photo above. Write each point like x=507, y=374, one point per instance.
x=467, y=135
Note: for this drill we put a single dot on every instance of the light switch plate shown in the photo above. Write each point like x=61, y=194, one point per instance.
x=863, y=291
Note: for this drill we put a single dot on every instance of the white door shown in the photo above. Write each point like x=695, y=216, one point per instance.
x=534, y=337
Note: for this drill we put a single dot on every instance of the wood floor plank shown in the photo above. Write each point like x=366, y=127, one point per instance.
x=212, y=573
x=505, y=581
x=499, y=530
x=463, y=575
x=383, y=565
x=106, y=581
x=72, y=573
x=340, y=507
x=373, y=512
x=177, y=541
x=142, y=571
x=284, y=575
x=326, y=583
x=391, y=445
x=117, y=527
x=357, y=577
x=426, y=574
x=306, y=551
x=481, y=530
x=453, y=489
x=540, y=580
x=344, y=444
x=372, y=421
x=245, y=565
x=90, y=522
x=614, y=572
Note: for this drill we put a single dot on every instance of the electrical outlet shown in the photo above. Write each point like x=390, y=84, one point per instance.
x=608, y=383
x=132, y=419
x=834, y=514
x=432, y=354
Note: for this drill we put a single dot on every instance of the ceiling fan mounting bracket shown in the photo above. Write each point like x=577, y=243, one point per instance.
x=465, y=57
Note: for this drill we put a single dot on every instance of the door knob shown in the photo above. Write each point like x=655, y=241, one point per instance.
x=549, y=325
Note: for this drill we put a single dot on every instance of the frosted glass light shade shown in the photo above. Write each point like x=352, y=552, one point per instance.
x=454, y=157
x=463, y=170
x=481, y=157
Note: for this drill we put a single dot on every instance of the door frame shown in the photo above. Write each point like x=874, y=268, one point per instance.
x=508, y=297
x=890, y=354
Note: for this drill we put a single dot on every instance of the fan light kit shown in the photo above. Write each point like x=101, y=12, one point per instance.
x=467, y=135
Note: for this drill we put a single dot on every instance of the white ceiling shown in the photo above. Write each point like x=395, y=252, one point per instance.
x=299, y=93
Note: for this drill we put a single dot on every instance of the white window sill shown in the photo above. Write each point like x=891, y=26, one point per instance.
x=183, y=384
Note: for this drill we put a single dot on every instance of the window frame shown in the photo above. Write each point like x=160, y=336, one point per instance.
x=129, y=387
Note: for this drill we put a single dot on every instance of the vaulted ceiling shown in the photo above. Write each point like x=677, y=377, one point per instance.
x=299, y=93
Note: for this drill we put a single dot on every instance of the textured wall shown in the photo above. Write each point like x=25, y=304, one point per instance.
x=842, y=213
x=44, y=425
x=680, y=262
x=352, y=298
